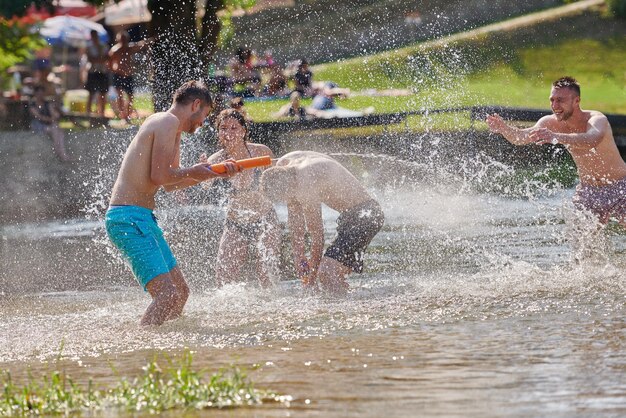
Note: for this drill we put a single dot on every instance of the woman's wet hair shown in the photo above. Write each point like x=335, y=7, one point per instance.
x=235, y=114
x=191, y=91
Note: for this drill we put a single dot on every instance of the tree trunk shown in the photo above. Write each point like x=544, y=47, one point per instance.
x=174, y=53
x=211, y=28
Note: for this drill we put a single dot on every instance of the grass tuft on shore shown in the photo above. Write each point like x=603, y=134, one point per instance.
x=157, y=389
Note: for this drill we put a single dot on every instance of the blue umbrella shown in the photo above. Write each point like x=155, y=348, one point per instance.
x=72, y=31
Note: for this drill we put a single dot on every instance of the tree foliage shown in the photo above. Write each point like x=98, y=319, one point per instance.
x=10, y=8
x=618, y=8
x=16, y=43
x=182, y=50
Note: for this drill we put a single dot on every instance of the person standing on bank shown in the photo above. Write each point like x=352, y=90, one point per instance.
x=97, y=75
x=588, y=137
x=45, y=121
x=122, y=66
x=152, y=162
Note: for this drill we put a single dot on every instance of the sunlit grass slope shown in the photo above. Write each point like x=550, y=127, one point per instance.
x=512, y=68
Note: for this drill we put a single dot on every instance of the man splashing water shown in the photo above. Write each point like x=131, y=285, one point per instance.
x=152, y=161
x=588, y=137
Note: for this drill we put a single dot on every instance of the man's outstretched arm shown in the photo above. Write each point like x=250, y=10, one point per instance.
x=515, y=136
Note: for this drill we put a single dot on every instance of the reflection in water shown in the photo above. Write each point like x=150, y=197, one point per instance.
x=471, y=304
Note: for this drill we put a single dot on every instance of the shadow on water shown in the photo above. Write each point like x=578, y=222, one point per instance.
x=472, y=300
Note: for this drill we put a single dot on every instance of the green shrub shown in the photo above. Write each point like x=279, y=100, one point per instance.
x=617, y=8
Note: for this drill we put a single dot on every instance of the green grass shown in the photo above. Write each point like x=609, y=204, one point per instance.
x=176, y=386
x=511, y=68
x=522, y=80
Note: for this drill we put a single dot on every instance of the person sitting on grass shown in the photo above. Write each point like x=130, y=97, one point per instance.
x=323, y=105
x=303, y=80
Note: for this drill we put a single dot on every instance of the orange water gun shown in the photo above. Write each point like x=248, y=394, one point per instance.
x=220, y=168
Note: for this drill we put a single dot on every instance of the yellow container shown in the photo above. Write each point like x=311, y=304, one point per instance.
x=77, y=100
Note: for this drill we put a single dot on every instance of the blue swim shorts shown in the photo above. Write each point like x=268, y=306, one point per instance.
x=135, y=232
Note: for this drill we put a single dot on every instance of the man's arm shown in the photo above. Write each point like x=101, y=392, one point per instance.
x=597, y=128
x=315, y=226
x=34, y=112
x=135, y=47
x=515, y=136
x=165, y=166
x=213, y=159
x=181, y=184
x=297, y=232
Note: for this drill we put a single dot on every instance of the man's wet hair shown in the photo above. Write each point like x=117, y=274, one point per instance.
x=276, y=180
x=191, y=91
x=567, y=83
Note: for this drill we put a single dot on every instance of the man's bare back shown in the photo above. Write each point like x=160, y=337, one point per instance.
x=305, y=180
x=121, y=56
x=322, y=179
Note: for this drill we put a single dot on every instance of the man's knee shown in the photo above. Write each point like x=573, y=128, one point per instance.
x=165, y=289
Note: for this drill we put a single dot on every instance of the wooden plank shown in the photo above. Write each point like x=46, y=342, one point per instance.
x=81, y=117
x=270, y=129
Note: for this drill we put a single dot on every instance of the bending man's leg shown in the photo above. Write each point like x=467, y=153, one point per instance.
x=332, y=276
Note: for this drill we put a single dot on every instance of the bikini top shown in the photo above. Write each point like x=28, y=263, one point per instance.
x=254, y=185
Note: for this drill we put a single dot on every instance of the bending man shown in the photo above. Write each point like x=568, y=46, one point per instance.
x=305, y=180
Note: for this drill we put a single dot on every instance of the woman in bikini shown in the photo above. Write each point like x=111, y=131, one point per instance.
x=251, y=220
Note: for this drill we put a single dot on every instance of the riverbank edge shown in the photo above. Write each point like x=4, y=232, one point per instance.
x=37, y=187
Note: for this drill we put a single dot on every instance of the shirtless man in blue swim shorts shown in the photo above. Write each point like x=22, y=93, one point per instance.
x=588, y=137
x=305, y=180
x=152, y=161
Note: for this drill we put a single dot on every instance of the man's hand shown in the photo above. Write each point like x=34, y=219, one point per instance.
x=202, y=171
x=496, y=123
x=542, y=136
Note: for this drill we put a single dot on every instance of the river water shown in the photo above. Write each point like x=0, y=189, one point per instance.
x=474, y=302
